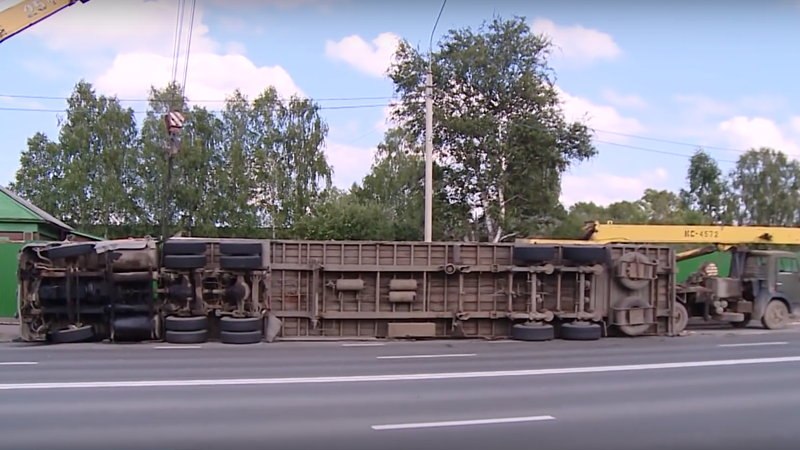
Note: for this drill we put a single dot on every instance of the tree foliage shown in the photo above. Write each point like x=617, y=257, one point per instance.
x=257, y=168
x=500, y=135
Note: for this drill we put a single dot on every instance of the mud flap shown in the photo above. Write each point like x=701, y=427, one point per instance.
x=272, y=327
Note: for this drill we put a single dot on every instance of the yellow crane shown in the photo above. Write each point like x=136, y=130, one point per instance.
x=762, y=285
x=23, y=15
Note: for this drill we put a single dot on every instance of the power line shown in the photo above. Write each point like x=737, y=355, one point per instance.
x=144, y=100
x=667, y=141
x=327, y=108
x=650, y=150
x=379, y=105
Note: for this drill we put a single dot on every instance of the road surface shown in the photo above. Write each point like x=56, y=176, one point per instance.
x=723, y=391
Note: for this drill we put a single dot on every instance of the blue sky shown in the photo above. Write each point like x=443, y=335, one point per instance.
x=655, y=78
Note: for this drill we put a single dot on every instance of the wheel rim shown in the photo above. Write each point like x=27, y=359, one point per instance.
x=777, y=314
x=679, y=320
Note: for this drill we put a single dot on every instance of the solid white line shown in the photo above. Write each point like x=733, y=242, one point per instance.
x=364, y=345
x=19, y=363
x=753, y=344
x=400, y=377
x=460, y=355
x=176, y=347
x=461, y=423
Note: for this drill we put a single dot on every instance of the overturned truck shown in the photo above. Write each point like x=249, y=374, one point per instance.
x=238, y=291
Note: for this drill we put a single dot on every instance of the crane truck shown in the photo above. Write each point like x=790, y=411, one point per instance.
x=23, y=15
x=760, y=285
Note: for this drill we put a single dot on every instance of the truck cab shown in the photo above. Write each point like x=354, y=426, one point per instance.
x=771, y=280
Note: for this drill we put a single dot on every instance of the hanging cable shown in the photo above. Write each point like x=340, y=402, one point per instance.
x=176, y=49
x=188, y=49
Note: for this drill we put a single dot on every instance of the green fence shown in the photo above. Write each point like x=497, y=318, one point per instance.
x=8, y=277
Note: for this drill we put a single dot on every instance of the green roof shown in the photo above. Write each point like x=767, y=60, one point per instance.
x=25, y=211
x=14, y=208
x=12, y=211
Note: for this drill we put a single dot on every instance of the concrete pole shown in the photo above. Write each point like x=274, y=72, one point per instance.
x=429, y=157
x=429, y=135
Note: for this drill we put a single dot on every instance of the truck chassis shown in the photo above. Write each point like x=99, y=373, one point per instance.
x=244, y=291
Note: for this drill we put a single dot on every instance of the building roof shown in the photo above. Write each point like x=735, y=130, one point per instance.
x=41, y=214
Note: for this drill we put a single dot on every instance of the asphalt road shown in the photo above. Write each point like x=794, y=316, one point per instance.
x=730, y=390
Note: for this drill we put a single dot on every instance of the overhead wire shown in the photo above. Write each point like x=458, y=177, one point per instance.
x=56, y=111
x=188, y=49
x=143, y=100
x=599, y=141
x=177, y=42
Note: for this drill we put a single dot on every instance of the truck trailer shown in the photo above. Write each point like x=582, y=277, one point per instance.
x=241, y=291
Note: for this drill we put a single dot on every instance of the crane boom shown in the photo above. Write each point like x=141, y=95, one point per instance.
x=24, y=15
x=721, y=235
x=692, y=234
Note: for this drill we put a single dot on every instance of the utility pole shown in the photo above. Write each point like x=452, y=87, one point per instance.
x=429, y=156
x=429, y=136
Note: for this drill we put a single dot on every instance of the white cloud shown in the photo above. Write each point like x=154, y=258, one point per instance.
x=139, y=37
x=371, y=58
x=350, y=164
x=702, y=107
x=386, y=121
x=744, y=133
x=598, y=116
x=577, y=43
x=624, y=101
x=605, y=188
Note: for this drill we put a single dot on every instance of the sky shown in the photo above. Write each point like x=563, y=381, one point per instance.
x=655, y=80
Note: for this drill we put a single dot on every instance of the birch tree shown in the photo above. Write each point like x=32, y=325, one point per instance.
x=500, y=133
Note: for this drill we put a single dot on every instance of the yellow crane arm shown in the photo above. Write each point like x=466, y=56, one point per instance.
x=23, y=15
x=713, y=237
x=691, y=234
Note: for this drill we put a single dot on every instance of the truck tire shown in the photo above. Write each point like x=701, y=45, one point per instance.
x=681, y=318
x=240, y=262
x=69, y=251
x=183, y=248
x=177, y=323
x=186, y=337
x=534, y=253
x=242, y=337
x=72, y=335
x=581, y=331
x=633, y=303
x=240, y=248
x=239, y=325
x=185, y=262
x=776, y=315
x=533, y=332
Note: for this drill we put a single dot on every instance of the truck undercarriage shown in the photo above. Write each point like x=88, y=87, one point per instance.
x=238, y=291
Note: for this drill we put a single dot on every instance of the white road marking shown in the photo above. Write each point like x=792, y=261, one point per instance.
x=19, y=363
x=753, y=344
x=455, y=355
x=461, y=423
x=373, y=344
x=385, y=378
x=176, y=347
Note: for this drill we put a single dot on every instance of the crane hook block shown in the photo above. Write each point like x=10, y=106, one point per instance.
x=174, y=121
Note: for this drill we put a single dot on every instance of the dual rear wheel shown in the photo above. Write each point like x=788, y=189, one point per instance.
x=194, y=330
x=570, y=331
